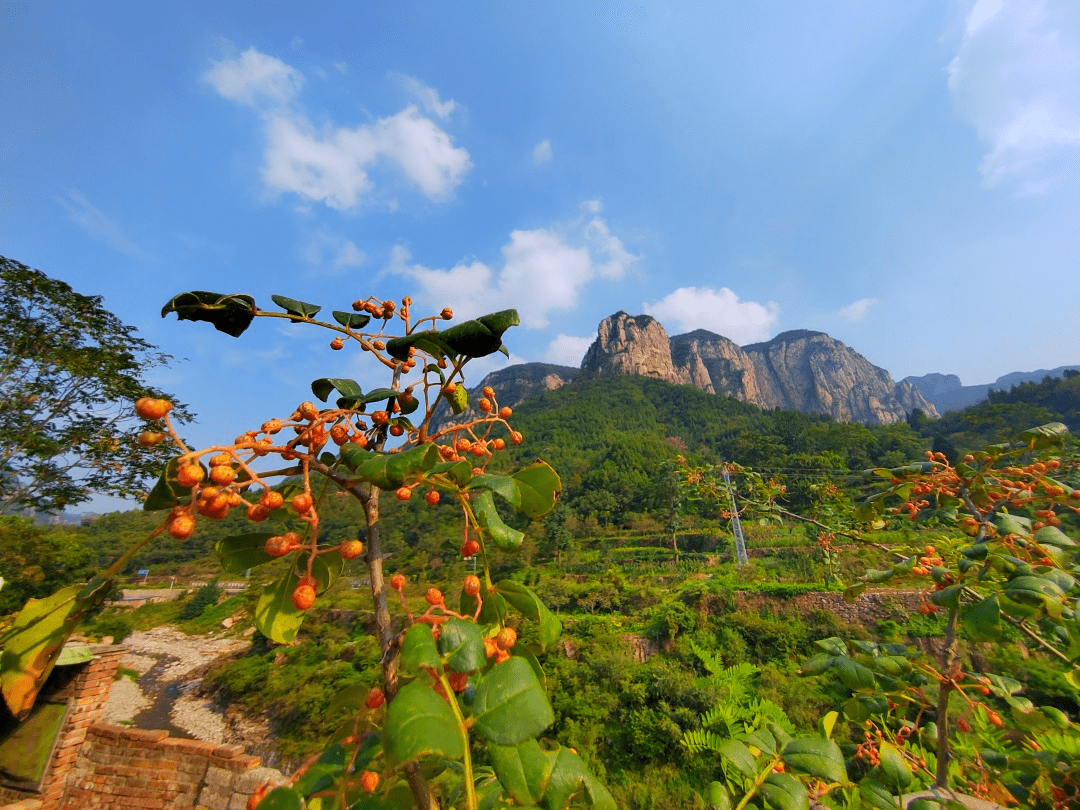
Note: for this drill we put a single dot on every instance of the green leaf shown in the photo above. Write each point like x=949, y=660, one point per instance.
x=1053, y=536
x=418, y=650
x=36, y=638
x=816, y=664
x=323, y=386
x=854, y=675
x=719, y=798
x=326, y=569
x=738, y=755
x=420, y=723
x=324, y=772
x=429, y=341
x=510, y=705
x=276, y=616
x=460, y=472
x=761, y=740
x=538, y=487
x=981, y=620
x=480, y=337
x=240, y=552
x=351, y=320
x=282, y=798
x=875, y=795
x=390, y=470
x=785, y=792
x=167, y=492
x=298, y=308
x=893, y=768
x=948, y=597
x=832, y=645
x=820, y=758
x=531, y=607
x=1032, y=589
x=231, y=314
x=505, y=537
x=827, y=723
x=568, y=776
x=1045, y=435
x=523, y=770
x=462, y=643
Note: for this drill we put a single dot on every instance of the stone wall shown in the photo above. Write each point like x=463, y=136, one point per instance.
x=149, y=770
x=869, y=608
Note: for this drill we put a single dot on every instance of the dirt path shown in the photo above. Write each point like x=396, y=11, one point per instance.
x=170, y=666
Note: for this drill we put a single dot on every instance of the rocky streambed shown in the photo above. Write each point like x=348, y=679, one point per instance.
x=170, y=667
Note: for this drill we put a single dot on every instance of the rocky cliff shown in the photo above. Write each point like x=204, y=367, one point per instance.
x=799, y=370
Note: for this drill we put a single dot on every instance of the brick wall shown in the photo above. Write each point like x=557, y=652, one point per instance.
x=149, y=770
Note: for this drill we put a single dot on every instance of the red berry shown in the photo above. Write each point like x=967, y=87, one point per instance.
x=432, y=498
x=303, y=597
x=302, y=503
x=397, y=582
x=150, y=438
x=403, y=494
x=472, y=585
x=507, y=638
x=277, y=546
x=351, y=549
x=434, y=596
x=505, y=412
x=375, y=698
x=182, y=526
x=150, y=408
x=369, y=781
x=189, y=475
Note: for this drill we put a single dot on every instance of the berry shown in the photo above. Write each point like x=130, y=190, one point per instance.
x=302, y=503
x=369, y=781
x=446, y=313
x=499, y=444
x=489, y=392
x=380, y=418
x=505, y=412
x=397, y=582
x=516, y=438
x=309, y=581
x=470, y=548
x=257, y=513
x=337, y=343
x=396, y=430
x=150, y=408
x=472, y=585
x=277, y=546
x=303, y=597
x=507, y=638
x=994, y=718
x=222, y=476
x=149, y=438
x=434, y=596
x=458, y=681
x=484, y=405
x=188, y=475
x=182, y=526
x=403, y=494
x=432, y=498
x=221, y=459
x=307, y=410
x=375, y=698
x=272, y=500
x=351, y=549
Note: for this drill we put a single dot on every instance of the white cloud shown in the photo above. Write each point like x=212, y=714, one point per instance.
x=1014, y=79
x=543, y=271
x=336, y=251
x=857, y=310
x=542, y=152
x=95, y=223
x=255, y=76
x=719, y=311
x=428, y=97
x=333, y=164
x=568, y=350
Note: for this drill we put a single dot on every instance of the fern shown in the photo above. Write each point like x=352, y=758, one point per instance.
x=700, y=740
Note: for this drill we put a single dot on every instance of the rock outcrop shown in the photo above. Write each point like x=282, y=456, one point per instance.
x=799, y=370
x=949, y=394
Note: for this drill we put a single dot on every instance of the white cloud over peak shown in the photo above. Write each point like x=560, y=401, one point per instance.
x=1014, y=79
x=332, y=164
x=857, y=310
x=254, y=76
x=568, y=350
x=719, y=311
x=542, y=153
x=543, y=271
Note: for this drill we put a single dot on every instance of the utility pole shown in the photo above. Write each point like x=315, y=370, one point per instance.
x=736, y=525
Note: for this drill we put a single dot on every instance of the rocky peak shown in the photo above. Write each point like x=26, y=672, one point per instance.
x=629, y=344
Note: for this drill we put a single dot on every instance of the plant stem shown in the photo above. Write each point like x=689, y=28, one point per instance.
x=470, y=787
x=945, y=687
x=759, y=780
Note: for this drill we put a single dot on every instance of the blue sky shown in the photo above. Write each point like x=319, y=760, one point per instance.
x=902, y=175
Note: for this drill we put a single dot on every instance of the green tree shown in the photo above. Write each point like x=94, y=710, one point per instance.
x=69, y=371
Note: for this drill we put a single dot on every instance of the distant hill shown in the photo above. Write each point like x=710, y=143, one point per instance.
x=949, y=394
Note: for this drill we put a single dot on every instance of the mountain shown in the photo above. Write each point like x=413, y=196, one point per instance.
x=799, y=370
x=949, y=394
